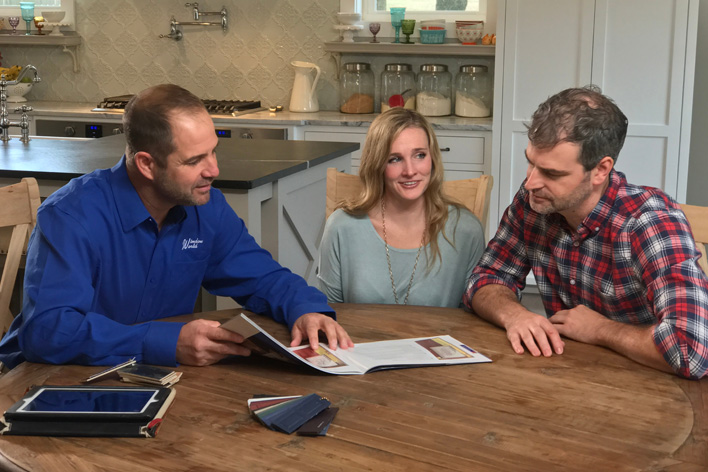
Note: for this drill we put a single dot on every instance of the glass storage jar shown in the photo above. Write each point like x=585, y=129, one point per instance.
x=434, y=97
x=473, y=92
x=397, y=87
x=356, y=88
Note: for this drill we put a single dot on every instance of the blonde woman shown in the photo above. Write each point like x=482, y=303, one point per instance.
x=402, y=240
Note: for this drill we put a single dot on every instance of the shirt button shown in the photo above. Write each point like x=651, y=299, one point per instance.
x=576, y=244
x=572, y=281
x=597, y=229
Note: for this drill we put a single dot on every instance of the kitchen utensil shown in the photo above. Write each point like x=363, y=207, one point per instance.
x=303, y=97
x=14, y=21
x=15, y=93
x=397, y=15
x=27, y=10
x=374, y=28
x=407, y=28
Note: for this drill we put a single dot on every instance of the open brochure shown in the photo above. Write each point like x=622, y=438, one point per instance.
x=364, y=357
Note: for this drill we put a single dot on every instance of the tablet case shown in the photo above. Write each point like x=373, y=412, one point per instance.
x=87, y=424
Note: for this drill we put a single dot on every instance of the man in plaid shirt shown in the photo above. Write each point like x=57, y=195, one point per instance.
x=616, y=264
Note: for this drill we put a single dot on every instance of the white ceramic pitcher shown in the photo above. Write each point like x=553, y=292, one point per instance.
x=304, y=98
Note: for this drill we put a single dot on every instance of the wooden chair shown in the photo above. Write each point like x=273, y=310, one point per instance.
x=472, y=193
x=18, y=215
x=698, y=219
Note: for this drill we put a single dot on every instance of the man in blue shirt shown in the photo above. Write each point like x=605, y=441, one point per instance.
x=118, y=248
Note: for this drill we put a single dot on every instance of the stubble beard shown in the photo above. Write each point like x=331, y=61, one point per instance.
x=558, y=205
x=171, y=191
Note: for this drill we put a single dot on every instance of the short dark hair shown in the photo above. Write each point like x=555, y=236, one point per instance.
x=146, y=121
x=582, y=116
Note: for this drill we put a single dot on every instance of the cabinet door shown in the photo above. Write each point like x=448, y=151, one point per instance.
x=547, y=47
x=639, y=59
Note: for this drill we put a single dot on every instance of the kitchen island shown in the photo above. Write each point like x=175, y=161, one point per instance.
x=277, y=187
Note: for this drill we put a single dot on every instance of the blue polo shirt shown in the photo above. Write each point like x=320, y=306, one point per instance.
x=99, y=272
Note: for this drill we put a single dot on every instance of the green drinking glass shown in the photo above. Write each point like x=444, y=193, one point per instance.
x=407, y=28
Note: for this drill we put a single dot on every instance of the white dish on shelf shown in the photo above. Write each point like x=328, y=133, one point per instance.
x=53, y=16
x=348, y=18
x=56, y=28
x=347, y=32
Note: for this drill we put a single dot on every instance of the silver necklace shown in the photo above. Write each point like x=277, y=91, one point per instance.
x=388, y=257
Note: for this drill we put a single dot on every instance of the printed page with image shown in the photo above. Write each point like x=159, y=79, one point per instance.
x=364, y=357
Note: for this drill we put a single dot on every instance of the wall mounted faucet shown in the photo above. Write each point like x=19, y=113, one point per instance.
x=176, y=33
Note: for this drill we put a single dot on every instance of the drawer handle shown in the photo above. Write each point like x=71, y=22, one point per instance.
x=445, y=149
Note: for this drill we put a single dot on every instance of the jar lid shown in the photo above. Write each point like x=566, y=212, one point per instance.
x=433, y=68
x=397, y=67
x=356, y=66
x=473, y=68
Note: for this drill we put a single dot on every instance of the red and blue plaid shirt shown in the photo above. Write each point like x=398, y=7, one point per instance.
x=633, y=259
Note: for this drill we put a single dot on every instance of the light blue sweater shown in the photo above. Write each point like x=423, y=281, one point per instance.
x=353, y=267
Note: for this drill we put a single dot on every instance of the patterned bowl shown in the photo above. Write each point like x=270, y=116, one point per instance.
x=469, y=35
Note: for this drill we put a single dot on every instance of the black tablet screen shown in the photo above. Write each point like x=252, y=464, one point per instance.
x=95, y=401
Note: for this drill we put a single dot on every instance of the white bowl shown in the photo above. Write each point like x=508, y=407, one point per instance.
x=54, y=16
x=347, y=18
x=15, y=93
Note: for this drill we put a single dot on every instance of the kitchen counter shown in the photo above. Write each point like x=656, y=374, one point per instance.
x=277, y=187
x=266, y=118
x=243, y=164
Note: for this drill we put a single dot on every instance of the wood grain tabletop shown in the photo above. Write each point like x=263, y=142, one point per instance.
x=587, y=410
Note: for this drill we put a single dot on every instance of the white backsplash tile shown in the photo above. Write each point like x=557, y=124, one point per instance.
x=121, y=52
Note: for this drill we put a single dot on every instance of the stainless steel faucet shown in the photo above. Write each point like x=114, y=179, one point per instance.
x=5, y=122
x=196, y=14
x=176, y=33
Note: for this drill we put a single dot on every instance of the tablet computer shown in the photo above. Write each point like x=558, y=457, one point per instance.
x=88, y=411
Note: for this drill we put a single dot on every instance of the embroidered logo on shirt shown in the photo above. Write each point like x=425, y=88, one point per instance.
x=191, y=243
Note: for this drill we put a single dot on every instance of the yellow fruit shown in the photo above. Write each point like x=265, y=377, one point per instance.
x=11, y=73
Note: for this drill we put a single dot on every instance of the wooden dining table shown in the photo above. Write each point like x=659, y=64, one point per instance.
x=586, y=410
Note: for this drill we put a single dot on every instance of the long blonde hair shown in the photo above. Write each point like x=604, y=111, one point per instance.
x=375, y=155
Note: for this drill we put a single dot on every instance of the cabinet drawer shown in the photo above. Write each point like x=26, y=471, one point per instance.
x=462, y=150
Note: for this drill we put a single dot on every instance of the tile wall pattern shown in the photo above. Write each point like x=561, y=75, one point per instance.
x=122, y=53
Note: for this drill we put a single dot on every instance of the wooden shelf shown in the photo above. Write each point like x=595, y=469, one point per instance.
x=385, y=46
x=67, y=40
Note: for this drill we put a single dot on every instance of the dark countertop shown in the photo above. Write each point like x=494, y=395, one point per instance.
x=243, y=163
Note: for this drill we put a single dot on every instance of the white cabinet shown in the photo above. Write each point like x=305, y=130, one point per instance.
x=640, y=52
x=466, y=154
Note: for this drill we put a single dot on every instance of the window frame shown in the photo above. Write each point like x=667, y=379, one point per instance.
x=368, y=13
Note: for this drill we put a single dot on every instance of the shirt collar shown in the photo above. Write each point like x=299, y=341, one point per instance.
x=600, y=215
x=130, y=207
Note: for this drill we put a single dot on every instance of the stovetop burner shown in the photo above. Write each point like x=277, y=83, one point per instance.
x=214, y=107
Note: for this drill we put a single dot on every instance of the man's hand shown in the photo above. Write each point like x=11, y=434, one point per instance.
x=204, y=342
x=499, y=305
x=583, y=324
x=309, y=325
x=536, y=332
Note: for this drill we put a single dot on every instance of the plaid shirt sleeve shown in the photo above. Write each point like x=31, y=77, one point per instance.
x=504, y=262
x=665, y=250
